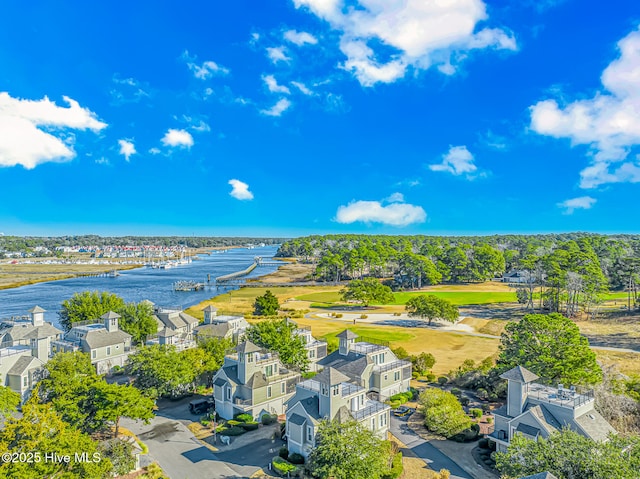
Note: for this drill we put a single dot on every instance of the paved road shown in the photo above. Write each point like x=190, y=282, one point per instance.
x=424, y=450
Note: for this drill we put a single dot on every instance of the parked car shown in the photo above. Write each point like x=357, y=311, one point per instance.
x=200, y=406
x=402, y=411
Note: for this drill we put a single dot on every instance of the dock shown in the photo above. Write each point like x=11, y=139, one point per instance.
x=187, y=286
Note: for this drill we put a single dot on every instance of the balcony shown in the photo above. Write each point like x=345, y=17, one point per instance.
x=559, y=397
x=382, y=368
x=242, y=402
x=370, y=408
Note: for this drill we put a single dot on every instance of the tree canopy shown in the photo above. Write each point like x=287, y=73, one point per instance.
x=443, y=413
x=366, y=291
x=137, y=320
x=348, y=451
x=550, y=346
x=266, y=305
x=9, y=401
x=279, y=335
x=569, y=455
x=431, y=307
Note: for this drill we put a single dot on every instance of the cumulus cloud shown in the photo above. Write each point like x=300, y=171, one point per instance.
x=608, y=122
x=581, y=203
x=273, y=85
x=420, y=34
x=181, y=138
x=457, y=161
x=240, y=190
x=278, y=109
x=24, y=142
x=395, y=198
x=300, y=38
x=277, y=54
x=393, y=214
x=302, y=88
x=127, y=148
x=204, y=70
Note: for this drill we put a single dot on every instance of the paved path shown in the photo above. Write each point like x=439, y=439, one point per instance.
x=426, y=451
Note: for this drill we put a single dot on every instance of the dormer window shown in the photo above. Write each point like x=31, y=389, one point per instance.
x=250, y=357
x=336, y=390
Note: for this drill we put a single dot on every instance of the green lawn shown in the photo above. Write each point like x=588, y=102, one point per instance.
x=373, y=333
x=458, y=298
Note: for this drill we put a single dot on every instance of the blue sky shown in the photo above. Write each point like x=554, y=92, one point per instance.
x=291, y=117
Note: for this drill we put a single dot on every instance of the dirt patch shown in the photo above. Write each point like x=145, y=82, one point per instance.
x=503, y=311
x=287, y=273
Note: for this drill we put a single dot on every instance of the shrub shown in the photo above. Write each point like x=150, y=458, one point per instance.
x=281, y=466
x=468, y=435
x=486, y=407
x=482, y=393
x=268, y=419
x=283, y=452
x=396, y=468
x=249, y=426
x=205, y=422
x=397, y=314
x=464, y=401
x=443, y=413
x=442, y=380
x=483, y=443
x=475, y=412
x=490, y=420
x=233, y=431
x=431, y=377
x=455, y=391
x=244, y=417
x=233, y=422
x=296, y=458
x=363, y=316
x=394, y=404
x=338, y=315
x=415, y=374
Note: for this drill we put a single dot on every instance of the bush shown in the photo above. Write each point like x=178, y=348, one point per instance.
x=205, y=422
x=394, y=404
x=281, y=466
x=415, y=374
x=244, y=417
x=397, y=314
x=443, y=413
x=464, y=401
x=402, y=398
x=338, y=315
x=283, y=452
x=455, y=391
x=396, y=468
x=475, y=412
x=490, y=420
x=233, y=431
x=363, y=316
x=468, y=435
x=249, y=426
x=431, y=377
x=483, y=443
x=268, y=419
x=296, y=458
x=442, y=380
x=233, y=422
x=308, y=374
x=486, y=407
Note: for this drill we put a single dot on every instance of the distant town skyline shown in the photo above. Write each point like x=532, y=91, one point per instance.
x=312, y=116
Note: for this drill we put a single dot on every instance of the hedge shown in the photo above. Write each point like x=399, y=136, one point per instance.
x=268, y=419
x=249, y=426
x=244, y=417
x=281, y=466
x=396, y=468
x=295, y=458
x=233, y=431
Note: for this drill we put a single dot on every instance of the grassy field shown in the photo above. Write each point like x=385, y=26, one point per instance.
x=287, y=273
x=458, y=298
x=626, y=363
x=15, y=275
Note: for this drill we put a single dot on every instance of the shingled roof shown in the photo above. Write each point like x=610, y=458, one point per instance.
x=347, y=334
x=519, y=374
x=247, y=347
x=36, y=309
x=331, y=377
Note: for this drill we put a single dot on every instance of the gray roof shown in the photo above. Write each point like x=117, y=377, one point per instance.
x=175, y=319
x=219, y=382
x=541, y=475
x=343, y=415
x=214, y=330
x=352, y=364
x=110, y=315
x=331, y=377
x=312, y=407
x=166, y=333
x=257, y=380
x=546, y=419
x=210, y=308
x=247, y=347
x=29, y=331
x=519, y=374
x=23, y=364
x=232, y=373
x=101, y=337
x=297, y=419
x=501, y=411
x=347, y=334
x=594, y=425
x=36, y=309
x=529, y=430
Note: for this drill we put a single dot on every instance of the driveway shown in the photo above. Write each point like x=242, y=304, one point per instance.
x=425, y=450
x=182, y=456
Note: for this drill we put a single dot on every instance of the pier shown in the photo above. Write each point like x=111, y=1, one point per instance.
x=100, y=274
x=187, y=286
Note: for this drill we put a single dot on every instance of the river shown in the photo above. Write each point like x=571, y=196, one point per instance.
x=156, y=285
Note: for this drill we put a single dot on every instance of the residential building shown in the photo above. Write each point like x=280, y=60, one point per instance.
x=104, y=342
x=214, y=326
x=316, y=349
x=371, y=365
x=536, y=411
x=175, y=328
x=331, y=395
x=253, y=381
x=25, y=346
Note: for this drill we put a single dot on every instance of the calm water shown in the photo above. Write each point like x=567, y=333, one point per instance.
x=156, y=285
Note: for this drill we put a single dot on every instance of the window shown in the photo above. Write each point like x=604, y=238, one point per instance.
x=117, y=346
x=250, y=358
x=312, y=353
x=25, y=381
x=93, y=354
x=309, y=433
x=373, y=423
x=336, y=390
x=108, y=350
x=268, y=371
x=268, y=391
x=282, y=388
x=396, y=376
x=380, y=420
x=386, y=376
x=228, y=394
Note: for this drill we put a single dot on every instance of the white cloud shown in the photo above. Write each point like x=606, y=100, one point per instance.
x=394, y=214
x=273, y=86
x=300, y=38
x=277, y=54
x=22, y=142
x=103, y=161
x=127, y=148
x=201, y=127
x=302, y=87
x=457, y=161
x=278, y=109
x=582, y=203
x=155, y=151
x=181, y=138
x=395, y=198
x=205, y=70
x=240, y=190
x=421, y=34
x=130, y=90
x=608, y=122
